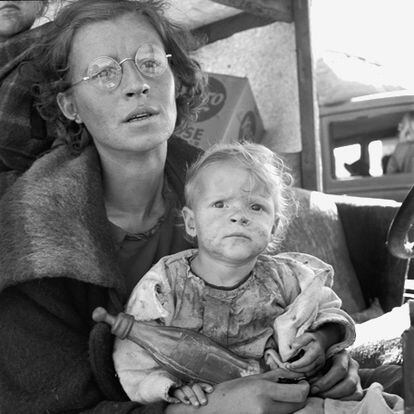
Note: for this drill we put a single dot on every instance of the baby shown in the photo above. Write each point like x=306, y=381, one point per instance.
x=275, y=308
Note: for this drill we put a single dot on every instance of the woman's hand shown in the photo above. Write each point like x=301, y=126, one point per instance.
x=260, y=394
x=341, y=381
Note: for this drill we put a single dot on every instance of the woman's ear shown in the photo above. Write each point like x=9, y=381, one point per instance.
x=189, y=221
x=68, y=107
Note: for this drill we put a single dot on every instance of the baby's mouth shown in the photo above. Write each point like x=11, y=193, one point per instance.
x=240, y=235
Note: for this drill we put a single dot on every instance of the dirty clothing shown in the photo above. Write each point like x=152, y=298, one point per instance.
x=239, y=318
x=374, y=401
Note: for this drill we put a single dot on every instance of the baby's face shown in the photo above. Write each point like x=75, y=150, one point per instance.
x=233, y=216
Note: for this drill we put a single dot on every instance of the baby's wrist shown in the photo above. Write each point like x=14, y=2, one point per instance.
x=327, y=335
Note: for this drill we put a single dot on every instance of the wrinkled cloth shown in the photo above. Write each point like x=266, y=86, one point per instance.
x=389, y=376
x=23, y=133
x=239, y=318
x=375, y=401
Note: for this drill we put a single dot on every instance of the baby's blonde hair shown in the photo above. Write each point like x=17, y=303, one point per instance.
x=264, y=166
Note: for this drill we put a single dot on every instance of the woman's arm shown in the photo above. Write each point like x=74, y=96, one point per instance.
x=45, y=360
x=260, y=394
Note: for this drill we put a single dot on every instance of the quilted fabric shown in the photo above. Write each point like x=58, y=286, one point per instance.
x=317, y=230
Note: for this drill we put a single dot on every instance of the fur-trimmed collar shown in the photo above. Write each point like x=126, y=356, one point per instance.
x=53, y=221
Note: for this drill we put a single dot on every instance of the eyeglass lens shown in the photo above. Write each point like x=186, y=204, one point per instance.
x=150, y=60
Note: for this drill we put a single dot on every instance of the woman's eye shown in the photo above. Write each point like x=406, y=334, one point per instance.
x=105, y=73
x=150, y=66
x=218, y=204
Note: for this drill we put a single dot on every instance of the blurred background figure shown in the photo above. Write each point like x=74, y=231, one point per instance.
x=19, y=16
x=402, y=159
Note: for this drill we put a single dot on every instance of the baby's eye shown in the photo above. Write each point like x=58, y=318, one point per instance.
x=256, y=207
x=218, y=204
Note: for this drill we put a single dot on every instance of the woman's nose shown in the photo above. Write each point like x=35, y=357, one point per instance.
x=134, y=83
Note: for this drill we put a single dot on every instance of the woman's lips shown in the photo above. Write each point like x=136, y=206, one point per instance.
x=140, y=117
x=141, y=114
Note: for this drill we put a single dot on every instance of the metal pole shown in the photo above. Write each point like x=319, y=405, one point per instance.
x=408, y=363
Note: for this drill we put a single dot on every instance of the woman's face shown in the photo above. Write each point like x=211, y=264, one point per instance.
x=109, y=114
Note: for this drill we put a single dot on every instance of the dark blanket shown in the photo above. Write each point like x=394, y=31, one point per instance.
x=23, y=134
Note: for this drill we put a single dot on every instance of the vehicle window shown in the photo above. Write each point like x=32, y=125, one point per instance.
x=362, y=152
x=362, y=147
x=345, y=158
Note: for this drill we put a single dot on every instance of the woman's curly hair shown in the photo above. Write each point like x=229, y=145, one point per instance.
x=50, y=66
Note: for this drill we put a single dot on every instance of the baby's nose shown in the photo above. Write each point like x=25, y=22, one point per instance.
x=244, y=221
x=240, y=218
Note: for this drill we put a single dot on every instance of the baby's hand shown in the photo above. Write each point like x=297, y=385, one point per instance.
x=313, y=358
x=194, y=394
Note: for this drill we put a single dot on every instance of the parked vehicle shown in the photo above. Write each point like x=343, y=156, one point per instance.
x=357, y=137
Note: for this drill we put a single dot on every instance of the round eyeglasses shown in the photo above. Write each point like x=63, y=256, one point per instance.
x=106, y=73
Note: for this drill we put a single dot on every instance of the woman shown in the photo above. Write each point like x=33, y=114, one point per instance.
x=91, y=216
